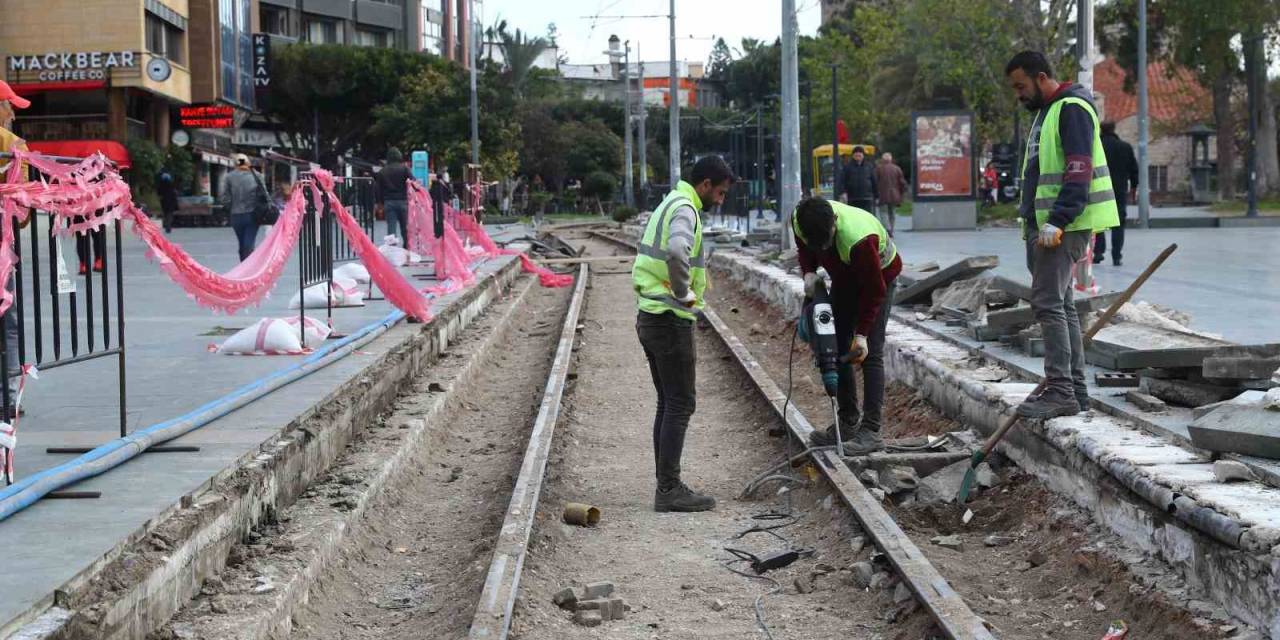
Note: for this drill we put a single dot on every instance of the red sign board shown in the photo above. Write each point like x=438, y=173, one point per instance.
x=207, y=116
x=943, y=145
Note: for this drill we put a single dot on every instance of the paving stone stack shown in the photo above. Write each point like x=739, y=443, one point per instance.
x=593, y=605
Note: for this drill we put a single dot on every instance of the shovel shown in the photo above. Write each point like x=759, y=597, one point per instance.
x=966, y=485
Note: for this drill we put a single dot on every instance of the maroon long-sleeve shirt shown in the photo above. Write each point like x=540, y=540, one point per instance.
x=862, y=278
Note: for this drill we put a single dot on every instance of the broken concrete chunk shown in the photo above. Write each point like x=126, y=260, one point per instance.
x=804, y=584
x=920, y=291
x=869, y=477
x=878, y=494
x=1271, y=401
x=1247, y=398
x=1185, y=393
x=985, y=477
x=718, y=605
x=897, y=479
x=566, y=598
x=948, y=542
x=588, y=617
x=596, y=590
x=1231, y=470
x=880, y=580
x=1144, y=401
x=942, y=485
x=862, y=573
x=1239, y=429
x=996, y=541
x=857, y=543
x=902, y=593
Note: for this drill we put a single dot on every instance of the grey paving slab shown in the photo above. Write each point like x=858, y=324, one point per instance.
x=1227, y=279
x=169, y=372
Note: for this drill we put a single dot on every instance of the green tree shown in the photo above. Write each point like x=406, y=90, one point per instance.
x=520, y=53
x=591, y=147
x=339, y=88
x=599, y=186
x=721, y=58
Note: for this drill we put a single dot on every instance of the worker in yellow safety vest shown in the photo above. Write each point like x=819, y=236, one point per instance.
x=670, y=278
x=1066, y=198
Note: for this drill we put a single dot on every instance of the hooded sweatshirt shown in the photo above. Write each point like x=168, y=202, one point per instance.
x=1075, y=129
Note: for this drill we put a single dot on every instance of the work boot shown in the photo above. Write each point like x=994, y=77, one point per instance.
x=827, y=437
x=1050, y=404
x=682, y=499
x=1082, y=398
x=863, y=441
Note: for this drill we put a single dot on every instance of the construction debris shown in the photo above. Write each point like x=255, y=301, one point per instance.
x=1251, y=430
x=592, y=606
x=1145, y=401
x=1230, y=471
x=1185, y=393
x=920, y=291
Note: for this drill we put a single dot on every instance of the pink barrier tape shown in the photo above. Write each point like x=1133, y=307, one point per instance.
x=88, y=195
x=476, y=233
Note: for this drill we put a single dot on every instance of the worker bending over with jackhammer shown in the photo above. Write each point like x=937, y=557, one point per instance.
x=669, y=277
x=858, y=254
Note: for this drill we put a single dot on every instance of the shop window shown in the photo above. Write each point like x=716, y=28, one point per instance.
x=1158, y=176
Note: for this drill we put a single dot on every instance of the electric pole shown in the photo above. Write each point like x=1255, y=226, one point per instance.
x=673, y=147
x=835, y=139
x=789, y=140
x=473, y=52
x=1256, y=74
x=1144, y=183
x=1085, y=49
x=644, y=140
x=630, y=195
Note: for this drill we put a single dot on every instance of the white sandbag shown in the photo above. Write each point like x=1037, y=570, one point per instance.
x=351, y=292
x=354, y=271
x=316, y=331
x=397, y=256
x=268, y=336
x=315, y=297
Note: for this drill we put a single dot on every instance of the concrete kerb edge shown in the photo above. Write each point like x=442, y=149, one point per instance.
x=1245, y=582
x=274, y=619
x=272, y=475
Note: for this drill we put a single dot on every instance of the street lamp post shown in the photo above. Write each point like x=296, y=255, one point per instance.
x=673, y=146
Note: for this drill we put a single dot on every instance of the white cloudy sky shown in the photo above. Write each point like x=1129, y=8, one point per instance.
x=697, y=23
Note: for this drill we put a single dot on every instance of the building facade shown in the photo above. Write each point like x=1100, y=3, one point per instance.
x=100, y=71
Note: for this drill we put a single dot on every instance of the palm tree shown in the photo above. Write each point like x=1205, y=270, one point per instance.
x=520, y=52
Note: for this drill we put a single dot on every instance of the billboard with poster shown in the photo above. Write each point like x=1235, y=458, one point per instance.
x=942, y=147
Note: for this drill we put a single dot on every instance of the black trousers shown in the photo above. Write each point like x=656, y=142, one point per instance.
x=1117, y=234
x=99, y=246
x=668, y=345
x=846, y=312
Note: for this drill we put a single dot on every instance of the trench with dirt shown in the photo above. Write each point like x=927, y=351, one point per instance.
x=413, y=565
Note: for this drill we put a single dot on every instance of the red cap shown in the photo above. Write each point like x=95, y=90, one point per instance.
x=7, y=94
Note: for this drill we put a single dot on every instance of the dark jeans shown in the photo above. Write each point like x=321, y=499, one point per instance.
x=12, y=365
x=246, y=232
x=668, y=345
x=99, y=240
x=167, y=218
x=890, y=217
x=397, y=213
x=1051, y=300
x=866, y=204
x=1117, y=234
x=846, y=311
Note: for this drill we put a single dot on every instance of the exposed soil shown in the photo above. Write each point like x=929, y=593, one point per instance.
x=1051, y=574
x=669, y=567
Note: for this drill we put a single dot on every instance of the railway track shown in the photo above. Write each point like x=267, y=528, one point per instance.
x=520, y=417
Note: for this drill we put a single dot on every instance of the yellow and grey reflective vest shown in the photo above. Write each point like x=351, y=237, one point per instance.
x=852, y=225
x=1100, y=211
x=649, y=274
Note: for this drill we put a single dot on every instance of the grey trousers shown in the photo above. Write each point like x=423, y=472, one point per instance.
x=1051, y=300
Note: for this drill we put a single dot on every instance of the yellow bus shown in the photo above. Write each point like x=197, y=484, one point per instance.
x=822, y=165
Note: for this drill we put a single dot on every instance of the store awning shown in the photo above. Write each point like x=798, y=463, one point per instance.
x=32, y=88
x=113, y=150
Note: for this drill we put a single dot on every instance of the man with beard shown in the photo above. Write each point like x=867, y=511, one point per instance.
x=1066, y=197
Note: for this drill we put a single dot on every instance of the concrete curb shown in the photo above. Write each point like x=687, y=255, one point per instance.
x=134, y=590
x=1225, y=559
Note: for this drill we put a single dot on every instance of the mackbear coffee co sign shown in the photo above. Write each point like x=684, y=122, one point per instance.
x=68, y=67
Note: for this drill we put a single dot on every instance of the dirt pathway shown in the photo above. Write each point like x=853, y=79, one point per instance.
x=1052, y=572
x=668, y=567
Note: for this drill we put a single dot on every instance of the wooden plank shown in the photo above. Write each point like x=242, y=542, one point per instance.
x=492, y=618
x=920, y=291
x=954, y=617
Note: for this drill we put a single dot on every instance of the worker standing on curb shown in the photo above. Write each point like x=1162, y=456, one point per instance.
x=1066, y=197
x=670, y=276
x=863, y=262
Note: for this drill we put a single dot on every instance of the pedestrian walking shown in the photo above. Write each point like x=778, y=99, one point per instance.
x=863, y=262
x=859, y=180
x=167, y=189
x=1124, y=177
x=392, y=194
x=10, y=142
x=990, y=185
x=440, y=192
x=1066, y=197
x=669, y=276
x=890, y=185
x=239, y=193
